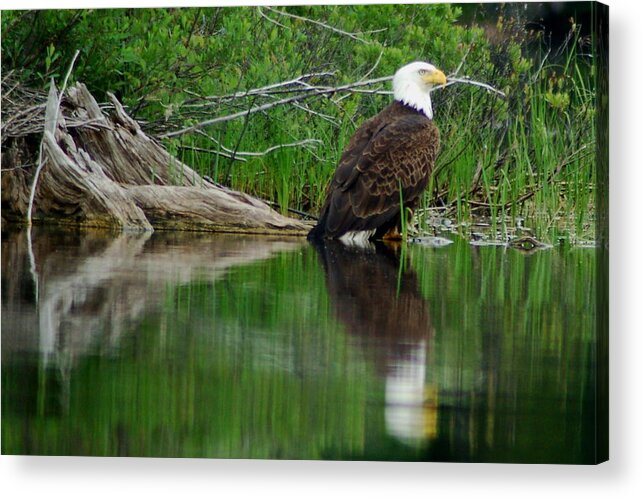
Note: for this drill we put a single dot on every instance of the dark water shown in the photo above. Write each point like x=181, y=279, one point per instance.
x=187, y=345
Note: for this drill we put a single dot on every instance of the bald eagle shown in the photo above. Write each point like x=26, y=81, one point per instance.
x=388, y=161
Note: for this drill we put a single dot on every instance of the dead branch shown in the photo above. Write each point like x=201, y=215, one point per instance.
x=353, y=36
x=51, y=123
x=240, y=155
x=299, y=81
x=269, y=19
x=452, y=81
x=299, y=89
x=115, y=176
x=305, y=93
x=216, y=152
x=365, y=76
x=325, y=117
x=463, y=59
x=308, y=141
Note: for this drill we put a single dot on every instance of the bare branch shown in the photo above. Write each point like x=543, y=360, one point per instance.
x=302, y=90
x=213, y=151
x=374, y=66
x=370, y=71
x=216, y=142
x=318, y=23
x=463, y=59
x=16, y=116
x=6, y=76
x=325, y=117
x=22, y=166
x=372, y=31
x=49, y=126
x=272, y=89
x=452, y=81
x=307, y=141
x=269, y=18
x=312, y=92
x=241, y=155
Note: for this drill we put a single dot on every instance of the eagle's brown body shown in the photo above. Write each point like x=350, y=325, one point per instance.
x=394, y=150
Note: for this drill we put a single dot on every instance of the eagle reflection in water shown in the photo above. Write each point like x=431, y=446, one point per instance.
x=375, y=293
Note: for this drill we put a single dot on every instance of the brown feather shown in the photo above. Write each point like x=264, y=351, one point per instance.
x=395, y=149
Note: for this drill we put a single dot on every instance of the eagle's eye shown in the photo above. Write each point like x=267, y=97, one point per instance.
x=422, y=72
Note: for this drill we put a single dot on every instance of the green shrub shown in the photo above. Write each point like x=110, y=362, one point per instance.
x=525, y=154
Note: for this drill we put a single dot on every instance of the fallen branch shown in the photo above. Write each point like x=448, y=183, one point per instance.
x=308, y=141
x=240, y=155
x=115, y=176
x=266, y=90
x=216, y=152
x=307, y=93
x=302, y=91
x=50, y=125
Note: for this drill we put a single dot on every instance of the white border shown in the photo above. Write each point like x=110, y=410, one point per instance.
x=110, y=477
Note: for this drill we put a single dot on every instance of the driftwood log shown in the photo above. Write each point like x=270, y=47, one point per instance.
x=104, y=171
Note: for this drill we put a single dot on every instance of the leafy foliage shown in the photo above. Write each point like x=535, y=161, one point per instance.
x=527, y=154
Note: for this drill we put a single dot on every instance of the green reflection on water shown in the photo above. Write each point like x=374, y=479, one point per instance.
x=238, y=347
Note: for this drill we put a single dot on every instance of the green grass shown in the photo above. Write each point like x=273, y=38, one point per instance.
x=529, y=155
x=537, y=162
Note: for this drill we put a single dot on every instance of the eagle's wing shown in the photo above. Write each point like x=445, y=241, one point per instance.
x=384, y=157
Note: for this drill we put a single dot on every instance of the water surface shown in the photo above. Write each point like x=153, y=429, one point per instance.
x=196, y=345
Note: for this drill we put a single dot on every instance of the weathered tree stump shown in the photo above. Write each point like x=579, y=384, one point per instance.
x=104, y=171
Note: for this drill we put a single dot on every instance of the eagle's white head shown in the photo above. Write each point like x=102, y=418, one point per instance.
x=412, y=85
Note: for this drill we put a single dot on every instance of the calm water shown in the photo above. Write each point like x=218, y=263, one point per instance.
x=188, y=345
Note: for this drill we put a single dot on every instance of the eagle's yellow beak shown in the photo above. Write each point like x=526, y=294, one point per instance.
x=435, y=78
